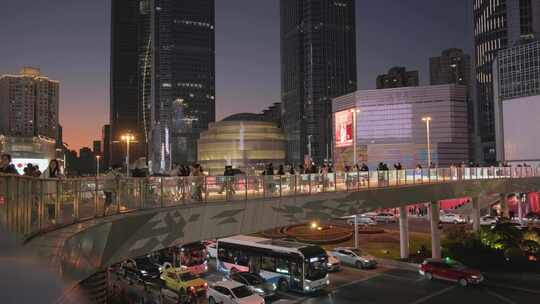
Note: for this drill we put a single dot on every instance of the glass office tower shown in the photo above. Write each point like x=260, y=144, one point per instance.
x=170, y=58
x=498, y=24
x=318, y=63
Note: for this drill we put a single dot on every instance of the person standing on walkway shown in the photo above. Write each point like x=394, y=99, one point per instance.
x=50, y=187
x=6, y=167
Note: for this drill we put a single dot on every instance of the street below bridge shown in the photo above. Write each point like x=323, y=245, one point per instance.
x=383, y=285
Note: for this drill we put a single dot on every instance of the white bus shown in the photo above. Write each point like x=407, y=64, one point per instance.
x=288, y=265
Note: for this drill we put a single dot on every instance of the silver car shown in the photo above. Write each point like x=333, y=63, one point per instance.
x=354, y=257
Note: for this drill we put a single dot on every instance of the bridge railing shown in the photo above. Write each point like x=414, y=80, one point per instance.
x=32, y=205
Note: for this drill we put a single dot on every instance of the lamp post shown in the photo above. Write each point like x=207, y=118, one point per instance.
x=427, y=120
x=97, y=165
x=354, y=112
x=128, y=138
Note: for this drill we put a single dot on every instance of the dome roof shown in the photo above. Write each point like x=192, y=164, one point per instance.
x=244, y=117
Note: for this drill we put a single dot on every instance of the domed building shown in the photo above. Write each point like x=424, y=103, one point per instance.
x=245, y=141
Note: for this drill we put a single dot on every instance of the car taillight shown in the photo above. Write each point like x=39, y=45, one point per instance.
x=205, y=285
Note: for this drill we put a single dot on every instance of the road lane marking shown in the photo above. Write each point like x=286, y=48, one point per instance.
x=428, y=297
x=498, y=296
x=349, y=284
x=382, y=273
x=514, y=288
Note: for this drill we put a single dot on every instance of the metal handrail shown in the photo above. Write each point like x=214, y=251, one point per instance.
x=33, y=205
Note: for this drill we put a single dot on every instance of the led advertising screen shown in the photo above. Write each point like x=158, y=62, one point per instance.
x=343, y=128
x=520, y=123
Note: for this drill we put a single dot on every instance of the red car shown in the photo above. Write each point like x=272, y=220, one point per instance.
x=447, y=269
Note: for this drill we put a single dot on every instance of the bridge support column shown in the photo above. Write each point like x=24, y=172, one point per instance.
x=504, y=205
x=435, y=232
x=476, y=214
x=403, y=232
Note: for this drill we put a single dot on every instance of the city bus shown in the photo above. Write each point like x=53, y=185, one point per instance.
x=287, y=265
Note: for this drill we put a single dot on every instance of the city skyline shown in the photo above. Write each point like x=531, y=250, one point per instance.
x=78, y=55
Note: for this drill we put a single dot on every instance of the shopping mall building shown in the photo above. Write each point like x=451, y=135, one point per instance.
x=392, y=126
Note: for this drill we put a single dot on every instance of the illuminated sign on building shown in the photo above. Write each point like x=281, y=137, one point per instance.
x=344, y=128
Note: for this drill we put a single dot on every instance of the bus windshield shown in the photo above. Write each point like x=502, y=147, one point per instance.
x=316, y=270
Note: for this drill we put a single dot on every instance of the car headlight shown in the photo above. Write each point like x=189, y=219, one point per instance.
x=306, y=288
x=327, y=282
x=475, y=277
x=328, y=264
x=144, y=271
x=259, y=290
x=274, y=286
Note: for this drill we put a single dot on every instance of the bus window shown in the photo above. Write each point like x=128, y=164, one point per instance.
x=241, y=259
x=282, y=266
x=254, y=264
x=268, y=263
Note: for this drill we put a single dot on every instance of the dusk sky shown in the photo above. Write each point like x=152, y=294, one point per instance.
x=70, y=41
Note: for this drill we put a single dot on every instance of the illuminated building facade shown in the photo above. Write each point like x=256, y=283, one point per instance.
x=29, y=104
x=390, y=129
x=517, y=103
x=498, y=24
x=244, y=141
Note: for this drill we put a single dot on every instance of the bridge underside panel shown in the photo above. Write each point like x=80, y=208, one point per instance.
x=114, y=239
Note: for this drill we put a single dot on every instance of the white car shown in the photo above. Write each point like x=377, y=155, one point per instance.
x=354, y=257
x=452, y=218
x=385, y=217
x=488, y=220
x=232, y=292
x=362, y=221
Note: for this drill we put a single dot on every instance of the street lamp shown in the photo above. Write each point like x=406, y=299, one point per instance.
x=128, y=138
x=97, y=165
x=354, y=112
x=427, y=120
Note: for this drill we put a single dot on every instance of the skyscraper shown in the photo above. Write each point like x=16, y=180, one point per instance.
x=398, y=77
x=498, y=24
x=517, y=102
x=29, y=104
x=106, y=146
x=318, y=63
x=125, y=101
x=172, y=74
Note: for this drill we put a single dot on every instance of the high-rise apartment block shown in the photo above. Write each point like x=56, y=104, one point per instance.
x=453, y=66
x=498, y=24
x=318, y=63
x=163, y=77
x=398, y=77
x=29, y=104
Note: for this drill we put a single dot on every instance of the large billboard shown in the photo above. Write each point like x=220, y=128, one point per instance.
x=343, y=128
x=520, y=124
